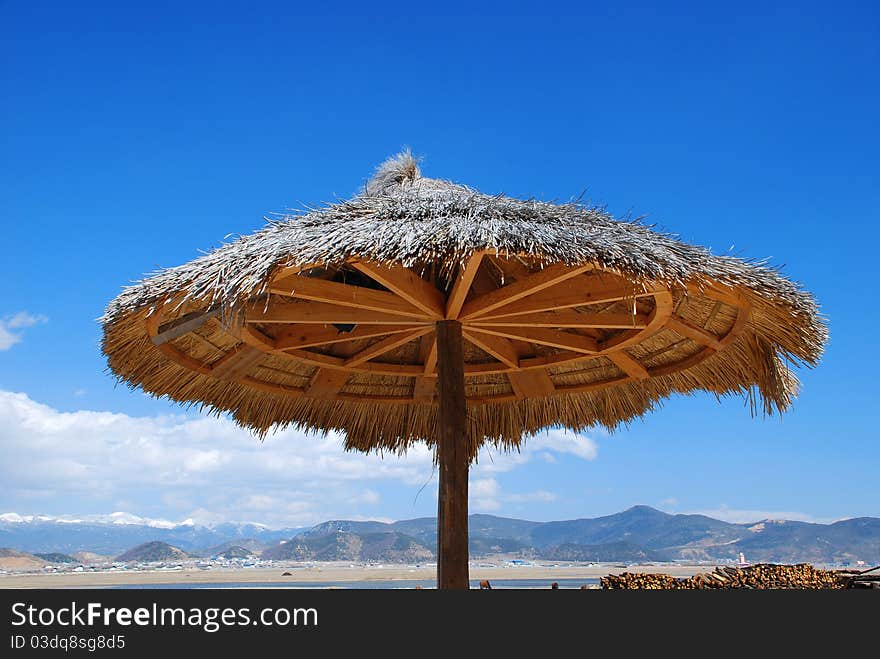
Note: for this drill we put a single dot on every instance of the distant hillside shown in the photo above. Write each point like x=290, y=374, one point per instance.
x=89, y=558
x=110, y=538
x=249, y=545
x=235, y=552
x=152, y=551
x=347, y=546
x=55, y=557
x=786, y=542
x=610, y=552
x=639, y=525
x=637, y=534
x=479, y=546
x=12, y=560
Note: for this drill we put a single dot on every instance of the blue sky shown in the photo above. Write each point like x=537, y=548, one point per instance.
x=135, y=136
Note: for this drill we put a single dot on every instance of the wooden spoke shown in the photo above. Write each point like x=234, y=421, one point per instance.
x=306, y=336
x=358, y=297
x=330, y=361
x=547, y=337
x=424, y=389
x=576, y=292
x=567, y=319
x=500, y=297
x=327, y=382
x=662, y=310
x=511, y=324
x=386, y=345
x=691, y=331
x=499, y=347
x=324, y=314
x=183, y=325
x=462, y=286
x=237, y=362
x=532, y=383
x=428, y=353
x=628, y=365
x=408, y=285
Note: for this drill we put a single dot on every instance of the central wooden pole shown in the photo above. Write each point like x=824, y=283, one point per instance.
x=453, y=460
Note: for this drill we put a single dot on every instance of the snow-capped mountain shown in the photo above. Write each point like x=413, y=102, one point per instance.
x=113, y=518
x=113, y=533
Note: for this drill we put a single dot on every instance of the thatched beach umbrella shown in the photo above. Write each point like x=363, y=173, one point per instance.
x=423, y=310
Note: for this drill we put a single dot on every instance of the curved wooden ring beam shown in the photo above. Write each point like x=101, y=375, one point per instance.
x=537, y=307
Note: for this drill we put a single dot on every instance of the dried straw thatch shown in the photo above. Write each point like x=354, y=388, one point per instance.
x=195, y=333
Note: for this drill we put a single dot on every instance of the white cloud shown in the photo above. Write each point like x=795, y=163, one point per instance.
x=542, y=496
x=543, y=446
x=208, y=469
x=186, y=464
x=486, y=495
x=368, y=496
x=11, y=327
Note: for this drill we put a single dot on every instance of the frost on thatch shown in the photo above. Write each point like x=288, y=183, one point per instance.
x=433, y=227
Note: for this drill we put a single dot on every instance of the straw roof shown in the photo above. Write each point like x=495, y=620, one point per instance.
x=325, y=319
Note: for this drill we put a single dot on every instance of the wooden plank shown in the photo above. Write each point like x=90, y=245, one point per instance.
x=453, y=460
x=535, y=383
x=323, y=314
x=547, y=337
x=326, y=383
x=428, y=353
x=295, y=337
x=691, y=331
x=236, y=362
x=187, y=323
x=657, y=320
x=567, y=319
x=576, y=292
x=408, y=285
x=330, y=361
x=385, y=345
x=626, y=363
x=358, y=297
x=497, y=346
x=462, y=286
x=424, y=389
x=500, y=297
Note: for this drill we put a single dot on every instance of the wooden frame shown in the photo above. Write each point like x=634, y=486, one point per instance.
x=548, y=308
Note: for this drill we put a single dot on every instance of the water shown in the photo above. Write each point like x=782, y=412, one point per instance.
x=364, y=585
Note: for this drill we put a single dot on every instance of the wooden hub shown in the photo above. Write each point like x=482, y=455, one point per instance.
x=526, y=325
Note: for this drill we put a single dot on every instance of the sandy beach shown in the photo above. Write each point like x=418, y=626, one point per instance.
x=329, y=573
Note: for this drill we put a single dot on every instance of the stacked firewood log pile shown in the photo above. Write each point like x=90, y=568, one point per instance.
x=763, y=576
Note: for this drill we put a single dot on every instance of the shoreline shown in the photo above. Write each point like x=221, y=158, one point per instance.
x=324, y=574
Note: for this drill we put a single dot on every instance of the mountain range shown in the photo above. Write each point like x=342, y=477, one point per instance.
x=640, y=533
